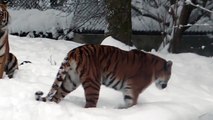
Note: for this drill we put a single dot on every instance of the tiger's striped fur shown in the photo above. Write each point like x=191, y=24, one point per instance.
x=92, y=65
x=4, y=16
x=11, y=66
x=8, y=61
x=4, y=43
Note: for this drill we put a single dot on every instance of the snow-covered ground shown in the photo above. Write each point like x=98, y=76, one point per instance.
x=189, y=95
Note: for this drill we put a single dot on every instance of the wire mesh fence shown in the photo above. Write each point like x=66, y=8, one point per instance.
x=75, y=14
x=83, y=10
x=64, y=5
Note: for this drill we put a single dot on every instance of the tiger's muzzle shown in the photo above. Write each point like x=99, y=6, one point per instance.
x=161, y=84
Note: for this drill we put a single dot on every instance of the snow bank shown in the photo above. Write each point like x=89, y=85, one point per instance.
x=48, y=21
x=188, y=96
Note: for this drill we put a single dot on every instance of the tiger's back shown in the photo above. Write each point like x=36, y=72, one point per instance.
x=92, y=65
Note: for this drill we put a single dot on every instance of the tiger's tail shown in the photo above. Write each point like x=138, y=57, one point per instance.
x=60, y=78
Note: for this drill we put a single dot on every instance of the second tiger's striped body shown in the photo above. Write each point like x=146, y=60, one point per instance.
x=8, y=61
x=93, y=65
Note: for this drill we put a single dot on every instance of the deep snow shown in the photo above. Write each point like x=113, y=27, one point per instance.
x=189, y=95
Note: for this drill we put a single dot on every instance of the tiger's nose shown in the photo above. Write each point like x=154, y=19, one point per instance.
x=4, y=21
x=164, y=86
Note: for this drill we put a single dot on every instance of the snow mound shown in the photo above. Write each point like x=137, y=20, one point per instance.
x=207, y=116
x=113, y=42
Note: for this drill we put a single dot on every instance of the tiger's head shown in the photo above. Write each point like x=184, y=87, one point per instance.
x=162, y=73
x=4, y=16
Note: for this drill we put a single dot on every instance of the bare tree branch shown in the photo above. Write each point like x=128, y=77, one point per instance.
x=154, y=17
x=197, y=14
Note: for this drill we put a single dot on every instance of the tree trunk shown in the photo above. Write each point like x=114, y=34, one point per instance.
x=175, y=46
x=119, y=20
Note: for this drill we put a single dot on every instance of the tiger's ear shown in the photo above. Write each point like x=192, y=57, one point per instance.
x=169, y=65
x=4, y=3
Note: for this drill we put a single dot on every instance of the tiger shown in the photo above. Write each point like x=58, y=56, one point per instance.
x=130, y=72
x=8, y=61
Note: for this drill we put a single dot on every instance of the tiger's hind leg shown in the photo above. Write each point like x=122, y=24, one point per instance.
x=90, y=78
x=91, y=91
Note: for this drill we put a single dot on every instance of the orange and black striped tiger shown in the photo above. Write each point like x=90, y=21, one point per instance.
x=93, y=65
x=8, y=62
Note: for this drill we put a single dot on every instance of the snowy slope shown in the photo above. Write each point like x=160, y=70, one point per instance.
x=189, y=95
